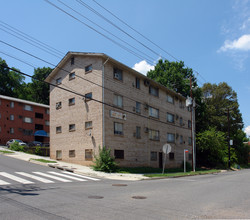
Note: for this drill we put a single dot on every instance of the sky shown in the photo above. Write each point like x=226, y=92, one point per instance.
x=212, y=37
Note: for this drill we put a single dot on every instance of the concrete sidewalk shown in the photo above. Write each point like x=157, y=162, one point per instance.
x=84, y=170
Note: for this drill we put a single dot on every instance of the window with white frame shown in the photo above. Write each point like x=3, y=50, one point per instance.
x=154, y=135
x=28, y=107
x=117, y=74
x=118, y=101
x=12, y=117
x=153, y=91
x=153, y=112
x=170, y=137
x=170, y=117
x=170, y=99
x=118, y=128
x=11, y=130
x=27, y=120
x=12, y=104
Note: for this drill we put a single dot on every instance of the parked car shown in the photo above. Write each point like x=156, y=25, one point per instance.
x=35, y=143
x=20, y=142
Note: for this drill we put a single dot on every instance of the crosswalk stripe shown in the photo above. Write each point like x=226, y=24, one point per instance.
x=3, y=183
x=15, y=178
x=86, y=177
x=53, y=177
x=66, y=176
x=35, y=177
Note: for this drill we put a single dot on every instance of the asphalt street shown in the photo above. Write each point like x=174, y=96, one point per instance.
x=218, y=196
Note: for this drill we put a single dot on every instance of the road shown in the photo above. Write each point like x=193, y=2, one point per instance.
x=217, y=196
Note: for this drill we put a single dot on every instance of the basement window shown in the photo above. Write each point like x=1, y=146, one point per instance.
x=72, y=153
x=119, y=154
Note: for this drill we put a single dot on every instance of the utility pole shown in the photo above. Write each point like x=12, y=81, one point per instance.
x=228, y=128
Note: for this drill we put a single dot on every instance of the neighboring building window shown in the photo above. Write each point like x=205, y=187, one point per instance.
x=154, y=135
x=47, y=111
x=181, y=105
x=189, y=141
x=72, y=101
x=72, y=60
x=118, y=101
x=88, y=68
x=58, y=105
x=72, y=153
x=12, y=117
x=153, y=156
x=38, y=127
x=170, y=99
x=12, y=104
x=170, y=138
x=39, y=115
x=47, y=123
x=72, y=127
x=189, y=124
x=88, y=96
x=181, y=121
x=0, y=115
x=12, y=130
x=138, y=107
x=138, y=132
x=20, y=116
x=58, y=154
x=153, y=91
x=72, y=76
x=58, y=81
x=170, y=117
x=118, y=74
x=118, y=128
x=59, y=129
x=88, y=124
x=153, y=112
x=137, y=83
x=171, y=156
x=28, y=108
x=88, y=154
x=27, y=120
x=181, y=139
x=119, y=154
x=27, y=132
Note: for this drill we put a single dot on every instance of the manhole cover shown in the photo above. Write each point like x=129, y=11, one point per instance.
x=119, y=184
x=139, y=197
x=95, y=197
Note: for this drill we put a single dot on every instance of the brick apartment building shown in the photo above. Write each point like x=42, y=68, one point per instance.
x=139, y=115
x=24, y=120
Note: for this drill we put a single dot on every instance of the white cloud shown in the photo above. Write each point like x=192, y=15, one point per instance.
x=242, y=44
x=143, y=67
x=247, y=130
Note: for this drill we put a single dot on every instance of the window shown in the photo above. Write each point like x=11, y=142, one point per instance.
x=28, y=108
x=137, y=83
x=119, y=154
x=181, y=139
x=59, y=129
x=88, y=96
x=118, y=128
x=58, y=81
x=72, y=60
x=27, y=132
x=153, y=156
x=154, y=135
x=12, y=130
x=12, y=117
x=138, y=107
x=72, y=76
x=88, y=124
x=171, y=156
x=153, y=112
x=181, y=121
x=38, y=127
x=39, y=115
x=47, y=123
x=58, y=154
x=20, y=116
x=117, y=74
x=72, y=153
x=170, y=138
x=72, y=127
x=138, y=132
x=12, y=104
x=72, y=101
x=88, y=68
x=181, y=105
x=27, y=120
x=189, y=124
x=47, y=111
x=170, y=99
x=189, y=141
x=153, y=91
x=118, y=101
x=170, y=117
x=58, y=105
x=88, y=154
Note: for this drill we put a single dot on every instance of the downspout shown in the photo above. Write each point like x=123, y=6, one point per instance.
x=103, y=113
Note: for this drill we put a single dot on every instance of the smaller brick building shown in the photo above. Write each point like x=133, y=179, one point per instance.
x=25, y=120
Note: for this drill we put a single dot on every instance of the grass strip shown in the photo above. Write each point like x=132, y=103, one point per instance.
x=6, y=152
x=43, y=161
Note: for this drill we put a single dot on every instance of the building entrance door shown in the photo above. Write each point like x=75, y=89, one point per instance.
x=160, y=159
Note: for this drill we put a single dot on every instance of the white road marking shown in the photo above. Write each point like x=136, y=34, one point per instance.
x=3, y=183
x=53, y=177
x=67, y=176
x=35, y=177
x=15, y=178
x=85, y=177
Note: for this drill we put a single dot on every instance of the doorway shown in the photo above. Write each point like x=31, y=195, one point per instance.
x=160, y=159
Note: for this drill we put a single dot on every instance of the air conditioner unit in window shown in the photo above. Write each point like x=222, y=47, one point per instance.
x=116, y=76
x=146, y=130
x=146, y=106
x=58, y=105
x=124, y=116
x=146, y=82
x=176, y=116
x=177, y=136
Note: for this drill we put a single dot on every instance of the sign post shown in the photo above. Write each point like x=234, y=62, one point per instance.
x=166, y=150
x=185, y=151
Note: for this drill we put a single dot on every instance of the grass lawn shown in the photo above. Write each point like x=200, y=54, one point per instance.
x=6, y=152
x=44, y=161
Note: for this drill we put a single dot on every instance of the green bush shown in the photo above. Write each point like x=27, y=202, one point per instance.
x=38, y=150
x=188, y=166
x=104, y=161
x=16, y=147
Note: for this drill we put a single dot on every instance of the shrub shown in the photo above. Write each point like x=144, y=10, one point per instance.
x=188, y=166
x=16, y=147
x=104, y=161
x=38, y=150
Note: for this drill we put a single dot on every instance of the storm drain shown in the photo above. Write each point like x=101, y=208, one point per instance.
x=119, y=184
x=95, y=197
x=139, y=197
